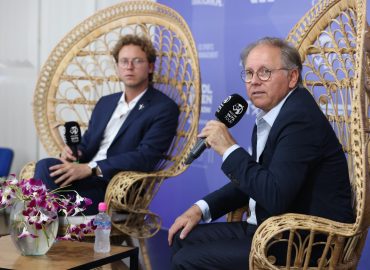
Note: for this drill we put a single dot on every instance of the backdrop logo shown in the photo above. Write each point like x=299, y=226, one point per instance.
x=207, y=50
x=207, y=98
x=215, y=3
x=261, y=1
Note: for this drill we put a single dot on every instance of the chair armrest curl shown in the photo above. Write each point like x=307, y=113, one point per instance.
x=128, y=195
x=271, y=231
x=28, y=170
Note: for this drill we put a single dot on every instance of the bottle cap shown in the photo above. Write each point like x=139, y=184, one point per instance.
x=102, y=207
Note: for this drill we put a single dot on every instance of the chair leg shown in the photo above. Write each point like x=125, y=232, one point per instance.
x=144, y=253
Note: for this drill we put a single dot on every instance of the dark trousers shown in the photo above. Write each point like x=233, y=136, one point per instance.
x=91, y=187
x=214, y=246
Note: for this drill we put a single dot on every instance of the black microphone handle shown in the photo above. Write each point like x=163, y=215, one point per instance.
x=197, y=150
x=74, y=149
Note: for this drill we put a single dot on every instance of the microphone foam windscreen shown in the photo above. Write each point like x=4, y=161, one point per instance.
x=72, y=133
x=231, y=110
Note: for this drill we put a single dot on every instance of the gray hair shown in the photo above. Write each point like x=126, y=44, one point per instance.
x=289, y=55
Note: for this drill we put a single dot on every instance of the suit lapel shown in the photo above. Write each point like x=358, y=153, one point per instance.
x=140, y=107
x=281, y=117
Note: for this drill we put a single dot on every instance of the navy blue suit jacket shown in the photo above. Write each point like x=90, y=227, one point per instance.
x=142, y=140
x=302, y=169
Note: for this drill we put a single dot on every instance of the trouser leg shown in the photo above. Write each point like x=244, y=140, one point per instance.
x=213, y=246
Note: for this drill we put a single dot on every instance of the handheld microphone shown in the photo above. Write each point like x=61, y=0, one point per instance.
x=73, y=136
x=230, y=111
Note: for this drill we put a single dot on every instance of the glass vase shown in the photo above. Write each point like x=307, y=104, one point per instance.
x=37, y=241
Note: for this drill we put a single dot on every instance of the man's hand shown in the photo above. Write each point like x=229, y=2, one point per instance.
x=188, y=220
x=217, y=136
x=69, y=172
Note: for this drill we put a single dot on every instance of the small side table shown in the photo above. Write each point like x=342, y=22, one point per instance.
x=65, y=255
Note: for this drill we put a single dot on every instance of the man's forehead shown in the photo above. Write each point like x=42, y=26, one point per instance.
x=131, y=48
x=263, y=54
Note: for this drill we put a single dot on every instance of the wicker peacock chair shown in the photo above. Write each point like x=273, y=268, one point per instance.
x=331, y=39
x=81, y=69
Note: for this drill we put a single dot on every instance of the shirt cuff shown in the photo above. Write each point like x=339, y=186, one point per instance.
x=206, y=215
x=229, y=151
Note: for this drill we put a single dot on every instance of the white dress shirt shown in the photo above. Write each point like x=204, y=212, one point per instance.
x=117, y=119
x=264, y=122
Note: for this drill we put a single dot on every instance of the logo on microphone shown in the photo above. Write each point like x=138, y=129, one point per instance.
x=73, y=130
x=226, y=100
x=238, y=108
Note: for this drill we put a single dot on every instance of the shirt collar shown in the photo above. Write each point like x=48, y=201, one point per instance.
x=272, y=114
x=133, y=102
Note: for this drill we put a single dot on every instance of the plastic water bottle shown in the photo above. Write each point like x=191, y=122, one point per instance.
x=102, y=232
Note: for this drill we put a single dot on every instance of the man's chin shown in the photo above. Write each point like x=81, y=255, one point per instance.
x=134, y=86
x=258, y=103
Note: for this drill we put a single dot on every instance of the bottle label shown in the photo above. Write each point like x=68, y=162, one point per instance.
x=105, y=225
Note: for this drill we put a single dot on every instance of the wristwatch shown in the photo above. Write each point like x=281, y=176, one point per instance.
x=95, y=170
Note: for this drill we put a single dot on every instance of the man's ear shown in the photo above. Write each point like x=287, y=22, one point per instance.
x=293, y=78
x=151, y=68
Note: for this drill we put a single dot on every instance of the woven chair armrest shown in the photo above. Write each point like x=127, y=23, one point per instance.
x=273, y=228
x=27, y=170
x=122, y=183
x=128, y=197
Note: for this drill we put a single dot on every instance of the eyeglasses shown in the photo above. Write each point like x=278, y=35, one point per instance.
x=263, y=74
x=135, y=62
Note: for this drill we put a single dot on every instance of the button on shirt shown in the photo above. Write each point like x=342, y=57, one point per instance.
x=264, y=122
x=118, y=117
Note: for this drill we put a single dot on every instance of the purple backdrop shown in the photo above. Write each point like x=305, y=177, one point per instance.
x=221, y=29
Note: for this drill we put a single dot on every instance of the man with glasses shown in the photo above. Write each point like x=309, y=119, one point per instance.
x=297, y=166
x=128, y=131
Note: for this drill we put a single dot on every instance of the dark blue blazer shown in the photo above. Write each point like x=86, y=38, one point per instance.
x=142, y=140
x=302, y=169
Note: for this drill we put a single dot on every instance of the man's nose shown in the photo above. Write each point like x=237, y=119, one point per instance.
x=255, y=79
x=130, y=64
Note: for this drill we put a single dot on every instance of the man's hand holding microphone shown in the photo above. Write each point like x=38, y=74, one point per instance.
x=70, y=169
x=215, y=133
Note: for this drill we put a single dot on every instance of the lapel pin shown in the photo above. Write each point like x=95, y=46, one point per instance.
x=141, y=106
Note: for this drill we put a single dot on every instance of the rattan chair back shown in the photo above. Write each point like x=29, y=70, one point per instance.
x=81, y=69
